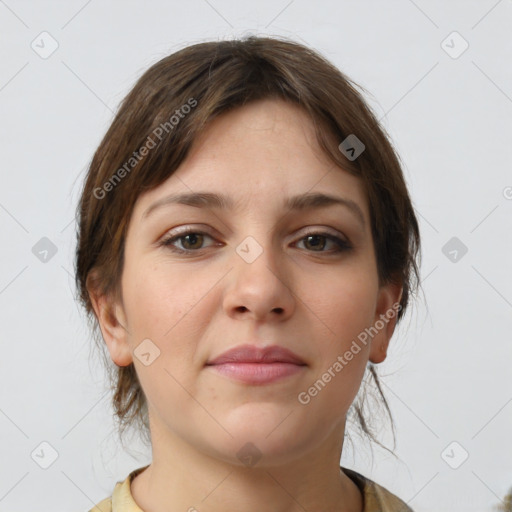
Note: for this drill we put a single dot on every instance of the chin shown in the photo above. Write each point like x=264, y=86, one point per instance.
x=268, y=441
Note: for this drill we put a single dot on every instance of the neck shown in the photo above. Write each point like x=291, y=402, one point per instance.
x=184, y=478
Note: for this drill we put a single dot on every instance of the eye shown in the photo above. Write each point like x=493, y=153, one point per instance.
x=193, y=241
x=319, y=240
x=190, y=240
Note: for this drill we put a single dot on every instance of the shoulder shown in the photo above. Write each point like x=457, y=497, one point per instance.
x=121, y=499
x=103, y=506
x=376, y=498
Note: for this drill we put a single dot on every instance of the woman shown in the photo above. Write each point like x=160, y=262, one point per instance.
x=246, y=246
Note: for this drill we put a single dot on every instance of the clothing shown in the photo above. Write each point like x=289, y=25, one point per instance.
x=375, y=497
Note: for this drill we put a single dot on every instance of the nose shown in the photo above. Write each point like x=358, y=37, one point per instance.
x=260, y=288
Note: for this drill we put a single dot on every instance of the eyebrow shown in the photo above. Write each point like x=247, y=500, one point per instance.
x=308, y=201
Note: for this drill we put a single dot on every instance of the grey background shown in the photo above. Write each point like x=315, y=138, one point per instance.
x=450, y=117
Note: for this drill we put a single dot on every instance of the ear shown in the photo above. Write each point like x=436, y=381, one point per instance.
x=388, y=306
x=112, y=321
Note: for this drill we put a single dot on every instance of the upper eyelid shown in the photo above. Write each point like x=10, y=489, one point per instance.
x=184, y=230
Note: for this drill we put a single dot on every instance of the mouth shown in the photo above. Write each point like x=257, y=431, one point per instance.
x=254, y=365
x=257, y=373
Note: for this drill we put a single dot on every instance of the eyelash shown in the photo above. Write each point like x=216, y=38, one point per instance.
x=342, y=245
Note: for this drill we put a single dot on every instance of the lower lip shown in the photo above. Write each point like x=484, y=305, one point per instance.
x=257, y=373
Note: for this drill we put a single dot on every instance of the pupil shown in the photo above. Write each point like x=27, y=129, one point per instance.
x=192, y=238
x=316, y=237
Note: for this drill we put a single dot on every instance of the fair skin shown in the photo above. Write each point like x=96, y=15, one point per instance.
x=299, y=293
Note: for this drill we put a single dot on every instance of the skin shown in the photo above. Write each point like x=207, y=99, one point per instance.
x=303, y=296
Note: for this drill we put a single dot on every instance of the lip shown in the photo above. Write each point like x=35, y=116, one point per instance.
x=257, y=365
x=255, y=354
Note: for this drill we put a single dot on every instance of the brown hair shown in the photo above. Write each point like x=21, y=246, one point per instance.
x=154, y=129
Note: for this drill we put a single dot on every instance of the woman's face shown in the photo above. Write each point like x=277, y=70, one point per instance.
x=252, y=270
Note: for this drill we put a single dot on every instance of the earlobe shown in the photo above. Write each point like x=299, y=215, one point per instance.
x=388, y=307
x=112, y=322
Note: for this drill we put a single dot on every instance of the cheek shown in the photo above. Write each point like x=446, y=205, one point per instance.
x=345, y=303
x=352, y=312
x=157, y=297
x=173, y=309
x=167, y=307
x=346, y=306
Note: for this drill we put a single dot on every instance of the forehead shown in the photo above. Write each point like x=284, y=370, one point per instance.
x=258, y=154
x=276, y=124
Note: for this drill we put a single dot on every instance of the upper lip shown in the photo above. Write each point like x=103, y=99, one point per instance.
x=255, y=354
